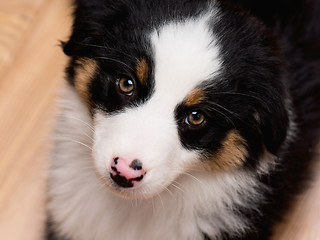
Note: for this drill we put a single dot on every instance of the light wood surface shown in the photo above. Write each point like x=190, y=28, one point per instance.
x=31, y=72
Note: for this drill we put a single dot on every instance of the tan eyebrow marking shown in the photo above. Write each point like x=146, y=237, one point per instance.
x=142, y=69
x=195, y=97
x=84, y=73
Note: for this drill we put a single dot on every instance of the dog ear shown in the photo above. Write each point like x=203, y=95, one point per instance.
x=66, y=47
x=91, y=19
x=75, y=47
x=82, y=28
x=274, y=123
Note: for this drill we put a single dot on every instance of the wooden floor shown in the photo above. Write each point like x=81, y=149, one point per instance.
x=31, y=72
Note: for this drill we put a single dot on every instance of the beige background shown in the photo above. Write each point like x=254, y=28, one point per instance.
x=31, y=72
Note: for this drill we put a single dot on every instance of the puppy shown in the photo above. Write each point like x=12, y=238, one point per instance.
x=184, y=119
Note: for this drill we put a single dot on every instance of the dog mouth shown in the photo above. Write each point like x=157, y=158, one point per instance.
x=138, y=187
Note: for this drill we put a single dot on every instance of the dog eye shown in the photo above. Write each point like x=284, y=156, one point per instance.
x=195, y=118
x=126, y=85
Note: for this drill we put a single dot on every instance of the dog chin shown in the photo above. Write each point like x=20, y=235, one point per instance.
x=133, y=194
x=141, y=191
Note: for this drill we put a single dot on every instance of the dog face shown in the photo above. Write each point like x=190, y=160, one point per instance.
x=177, y=88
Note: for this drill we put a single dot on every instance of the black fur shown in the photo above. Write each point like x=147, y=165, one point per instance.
x=270, y=76
x=50, y=233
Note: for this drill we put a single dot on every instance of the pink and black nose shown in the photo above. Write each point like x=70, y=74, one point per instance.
x=126, y=173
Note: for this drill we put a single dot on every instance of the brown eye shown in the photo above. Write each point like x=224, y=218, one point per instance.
x=195, y=118
x=126, y=85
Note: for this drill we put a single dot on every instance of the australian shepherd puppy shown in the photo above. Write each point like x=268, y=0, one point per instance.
x=185, y=119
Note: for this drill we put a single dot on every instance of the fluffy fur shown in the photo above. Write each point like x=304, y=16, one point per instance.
x=219, y=101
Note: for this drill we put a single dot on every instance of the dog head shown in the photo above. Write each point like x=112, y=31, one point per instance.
x=175, y=87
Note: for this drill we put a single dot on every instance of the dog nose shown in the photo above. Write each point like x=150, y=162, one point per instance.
x=126, y=173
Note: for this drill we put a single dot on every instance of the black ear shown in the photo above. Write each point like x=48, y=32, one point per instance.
x=66, y=47
x=75, y=47
x=274, y=125
x=92, y=19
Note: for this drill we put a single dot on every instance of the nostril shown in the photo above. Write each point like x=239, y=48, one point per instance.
x=136, y=165
x=113, y=165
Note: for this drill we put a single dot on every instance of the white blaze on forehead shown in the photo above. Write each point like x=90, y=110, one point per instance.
x=185, y=54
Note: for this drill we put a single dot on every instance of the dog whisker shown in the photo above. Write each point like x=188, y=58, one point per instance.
x=193, y=177
x=216, y=110
x=162, y=204
x=83, y=144
x=153, y=208
x=169, y=191
x=104, y=47
x=177, y=187
x=242, y=94
x=78, y=119
x=115, y=60
x=87, y=136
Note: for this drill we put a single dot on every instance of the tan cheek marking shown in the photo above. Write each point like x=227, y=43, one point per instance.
x=195, y=97
x=232, y=154
x=142, y=70
x=84, y=73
